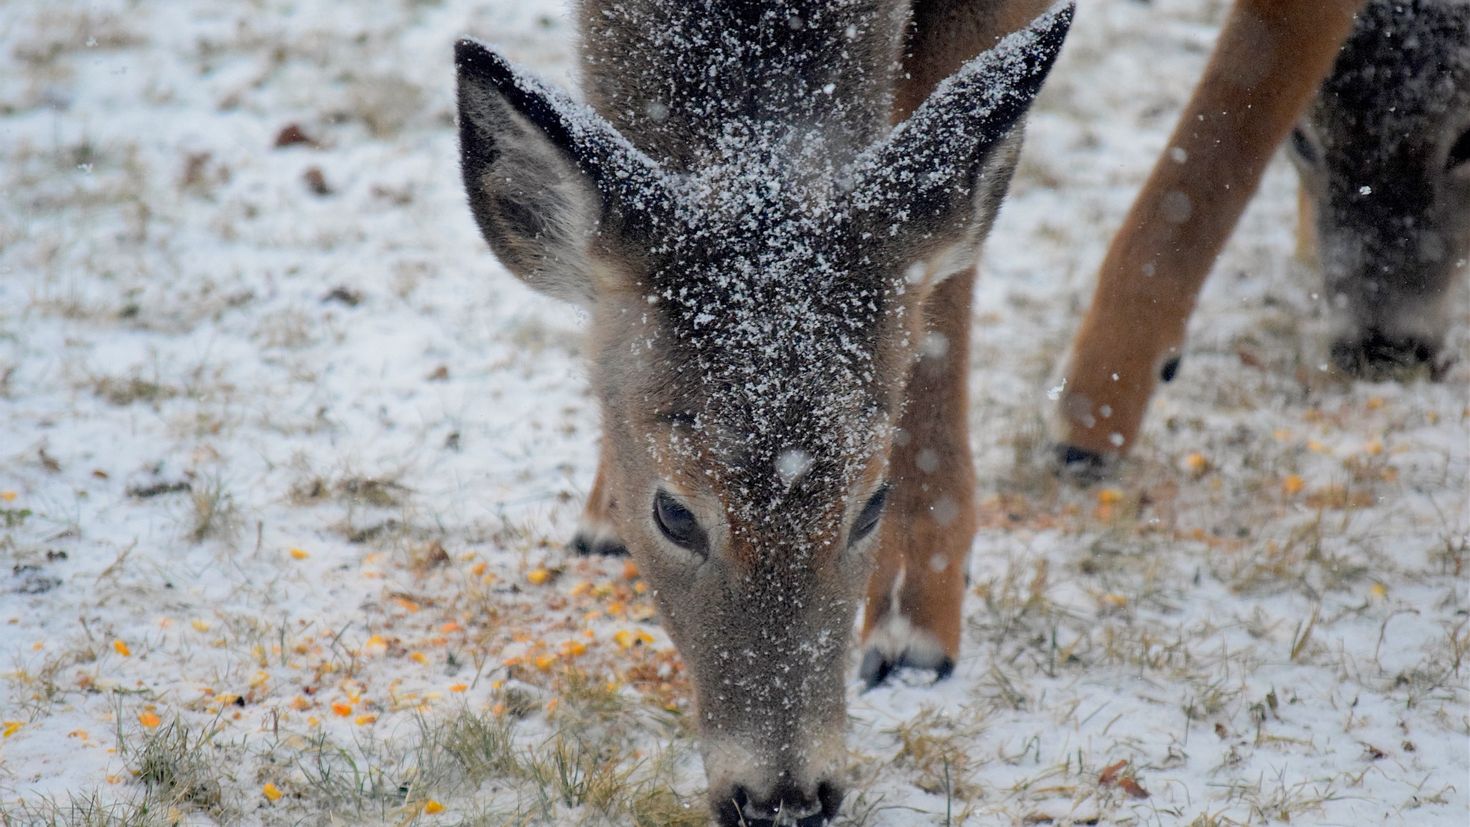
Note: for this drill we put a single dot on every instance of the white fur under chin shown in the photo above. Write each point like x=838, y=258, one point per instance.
x=896, y=639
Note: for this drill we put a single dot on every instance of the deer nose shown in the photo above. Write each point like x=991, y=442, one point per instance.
x=786, y=806
x=1373, y=355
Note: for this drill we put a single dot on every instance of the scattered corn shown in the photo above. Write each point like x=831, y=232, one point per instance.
x=432, y=807
x=1196, y=463
x=8, y=496
x=149, y=720
x=122, y=648
x=1292, y=484
x=628, y=638
x=538, y=577
x=300, y=553
x=458, y=687
x=9, y=728
x=1110, y=496
x=365, y=719
x=342, y=710
x=271, y=792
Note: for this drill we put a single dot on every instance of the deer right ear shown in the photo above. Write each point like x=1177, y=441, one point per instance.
x=545, y=176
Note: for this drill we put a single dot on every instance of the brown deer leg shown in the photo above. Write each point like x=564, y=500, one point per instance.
x=1306, y=227
x=596, y=534
x=914, y=596
x=1269, y=61
x=915, y=593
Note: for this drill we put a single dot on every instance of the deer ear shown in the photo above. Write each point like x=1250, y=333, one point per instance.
x=546, y=177
x=938, y=177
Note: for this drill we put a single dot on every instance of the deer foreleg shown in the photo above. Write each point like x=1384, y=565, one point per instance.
x=1268, y=63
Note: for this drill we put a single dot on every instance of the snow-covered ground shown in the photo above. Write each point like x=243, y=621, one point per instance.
x=287, y=461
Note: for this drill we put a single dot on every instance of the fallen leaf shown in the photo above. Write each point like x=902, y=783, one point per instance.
x=1110, y=772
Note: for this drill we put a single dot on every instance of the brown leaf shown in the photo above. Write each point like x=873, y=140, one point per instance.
x=317, y=182
x=1109, y=774
x=1132, y=787
x=292, y=134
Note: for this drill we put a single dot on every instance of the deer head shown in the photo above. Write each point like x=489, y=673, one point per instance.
x=1384, y=158
x=752, y=326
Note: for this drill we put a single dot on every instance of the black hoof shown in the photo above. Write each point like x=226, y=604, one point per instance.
x=1081, y=464
x=583, y=546
x=876, y=669
x=1170, y=369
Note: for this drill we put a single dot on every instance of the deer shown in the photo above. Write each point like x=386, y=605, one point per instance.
x=1383, y=158
x=1267, y=65
x=771, y=211
x=1377, y=109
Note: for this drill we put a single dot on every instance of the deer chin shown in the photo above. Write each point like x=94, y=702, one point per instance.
x=896, y=643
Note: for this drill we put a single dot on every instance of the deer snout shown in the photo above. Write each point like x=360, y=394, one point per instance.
x=1372, y=354
x=772, y=787
x=787, y=805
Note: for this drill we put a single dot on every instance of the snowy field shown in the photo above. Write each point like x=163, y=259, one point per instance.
x=287, y=462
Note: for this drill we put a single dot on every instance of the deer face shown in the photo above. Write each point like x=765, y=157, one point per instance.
x=753, y=323
x=1384, y=156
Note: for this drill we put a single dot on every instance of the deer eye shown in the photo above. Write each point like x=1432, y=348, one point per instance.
x=1459, y=153
x=867, y=520
x=677, y=523
x=1302, y=146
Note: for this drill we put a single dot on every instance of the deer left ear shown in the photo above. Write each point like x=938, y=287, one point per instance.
x=546, y=176
x=937, y=179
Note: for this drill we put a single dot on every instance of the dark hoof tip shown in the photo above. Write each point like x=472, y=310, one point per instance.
x=1169, y=370
x=582, y=546
x=877, y=669
x=1081, y=464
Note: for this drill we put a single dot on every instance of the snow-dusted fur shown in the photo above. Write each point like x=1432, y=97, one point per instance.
x=1384, y=157
x=755, y=242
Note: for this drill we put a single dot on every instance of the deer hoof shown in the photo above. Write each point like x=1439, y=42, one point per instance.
x=1081, y=465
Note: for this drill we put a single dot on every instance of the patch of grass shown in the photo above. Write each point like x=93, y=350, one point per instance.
x=179, y=766
x=87, y=810
x=131, y=390
x=937, y=755
x=213, y=514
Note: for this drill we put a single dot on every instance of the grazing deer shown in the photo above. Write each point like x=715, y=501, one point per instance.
x=1384, y=158
x=1269, y=61
x=779, y=289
